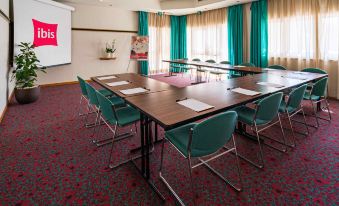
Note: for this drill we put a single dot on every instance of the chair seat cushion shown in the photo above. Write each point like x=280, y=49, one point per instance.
x=312, y=97
x=126, y=115
x=283, y=108
x=246, y=115
x=105, y=92
x=179, y=137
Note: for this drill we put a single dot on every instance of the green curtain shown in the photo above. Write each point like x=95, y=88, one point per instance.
x=259, y=33
x=143, y=31
x=178, y=39
x=235, y=34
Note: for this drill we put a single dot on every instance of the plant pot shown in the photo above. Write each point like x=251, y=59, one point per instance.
x=27, y=95
x=109, y=55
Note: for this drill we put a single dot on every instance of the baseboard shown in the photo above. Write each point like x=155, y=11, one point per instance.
x=6, y=106
x=61, y=83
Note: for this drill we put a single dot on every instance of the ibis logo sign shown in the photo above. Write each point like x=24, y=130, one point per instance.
x=45, y=34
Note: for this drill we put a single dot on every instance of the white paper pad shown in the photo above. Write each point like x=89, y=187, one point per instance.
x=114, y=84
x=245, y=91
x=269, y=84
x=195, y=105
x=302, y=73
x=294, y=77
x=108, y=77
x=133, y=91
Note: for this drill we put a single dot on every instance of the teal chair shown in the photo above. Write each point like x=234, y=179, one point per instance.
x=263, y=115
x=84, y=95
x=293, y=106
x=277, y=67
x=198, y=140
x=217, y=72
x=314, y=70
x=317, y=95
x=225, y=62
x=114, y=118
x=196, y=60
x=95, y=107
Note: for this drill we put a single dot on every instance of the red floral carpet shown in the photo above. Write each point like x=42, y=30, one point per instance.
x=47, y=158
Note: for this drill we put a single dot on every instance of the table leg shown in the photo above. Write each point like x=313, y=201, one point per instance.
x=142, y=145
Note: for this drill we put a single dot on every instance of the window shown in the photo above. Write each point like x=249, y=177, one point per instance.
x=159, y=42
x=292, y=37
x=329, y=36
x=207, y=35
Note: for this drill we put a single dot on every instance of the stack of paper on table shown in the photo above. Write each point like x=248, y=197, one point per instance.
x=119, y=83
x=245, y=91
x=195, y=105
x=107, y=77
x=269, y=84
x=134, y=91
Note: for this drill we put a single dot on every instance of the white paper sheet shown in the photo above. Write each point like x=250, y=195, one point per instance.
x=294, y=77
x=133, y=91
x=119, y=83
x=245, y=91
x=269, y=84
x=108, y=77
x=195, y=105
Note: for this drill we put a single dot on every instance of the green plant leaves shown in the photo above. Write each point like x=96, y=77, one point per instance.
x=27, y=64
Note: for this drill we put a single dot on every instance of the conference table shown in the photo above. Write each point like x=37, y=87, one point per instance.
x=160, y=103
x=243, y=70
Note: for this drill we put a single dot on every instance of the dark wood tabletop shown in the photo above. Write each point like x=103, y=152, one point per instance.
x=163, y=108
x=135, y=80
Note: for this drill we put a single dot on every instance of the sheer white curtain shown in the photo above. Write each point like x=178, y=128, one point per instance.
x=207, y=35
x=159, y=42
x=304, y=33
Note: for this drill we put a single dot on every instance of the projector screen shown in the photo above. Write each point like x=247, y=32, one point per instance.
x=46, y=24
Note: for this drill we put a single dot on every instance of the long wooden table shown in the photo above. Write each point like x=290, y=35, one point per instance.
x=199, y=64
x=160, y=103
x=135, y=80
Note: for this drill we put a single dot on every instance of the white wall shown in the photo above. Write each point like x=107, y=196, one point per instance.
x=88, y=46
x=4, y=43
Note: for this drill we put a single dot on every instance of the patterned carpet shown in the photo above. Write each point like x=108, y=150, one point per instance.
x=47, y=158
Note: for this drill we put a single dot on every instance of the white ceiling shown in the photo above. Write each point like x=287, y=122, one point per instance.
x=173, y=7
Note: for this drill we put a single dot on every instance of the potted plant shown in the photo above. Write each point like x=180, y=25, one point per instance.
x=110, y=49
x=25, y=74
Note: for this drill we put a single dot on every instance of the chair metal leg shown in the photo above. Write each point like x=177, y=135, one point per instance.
x=238, y=164
x=328, y=110
x=302, y=110
x=79, y=113
x=164, y=180
x=293, y=135
x=191, y=179
x=110, y=155
x=315, y=113
x=260, y=147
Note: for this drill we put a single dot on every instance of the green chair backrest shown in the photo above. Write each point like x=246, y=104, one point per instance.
x=268, y=107
x=225, y=62
x=106, y=107
x=277, y=67
x=319, y=88
x=314, y=70
x=247, y=64
x=92, y=96
x=212, y=134
x=82, y=83
x=296, y=96
x=196, y=60
x=210, y=61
